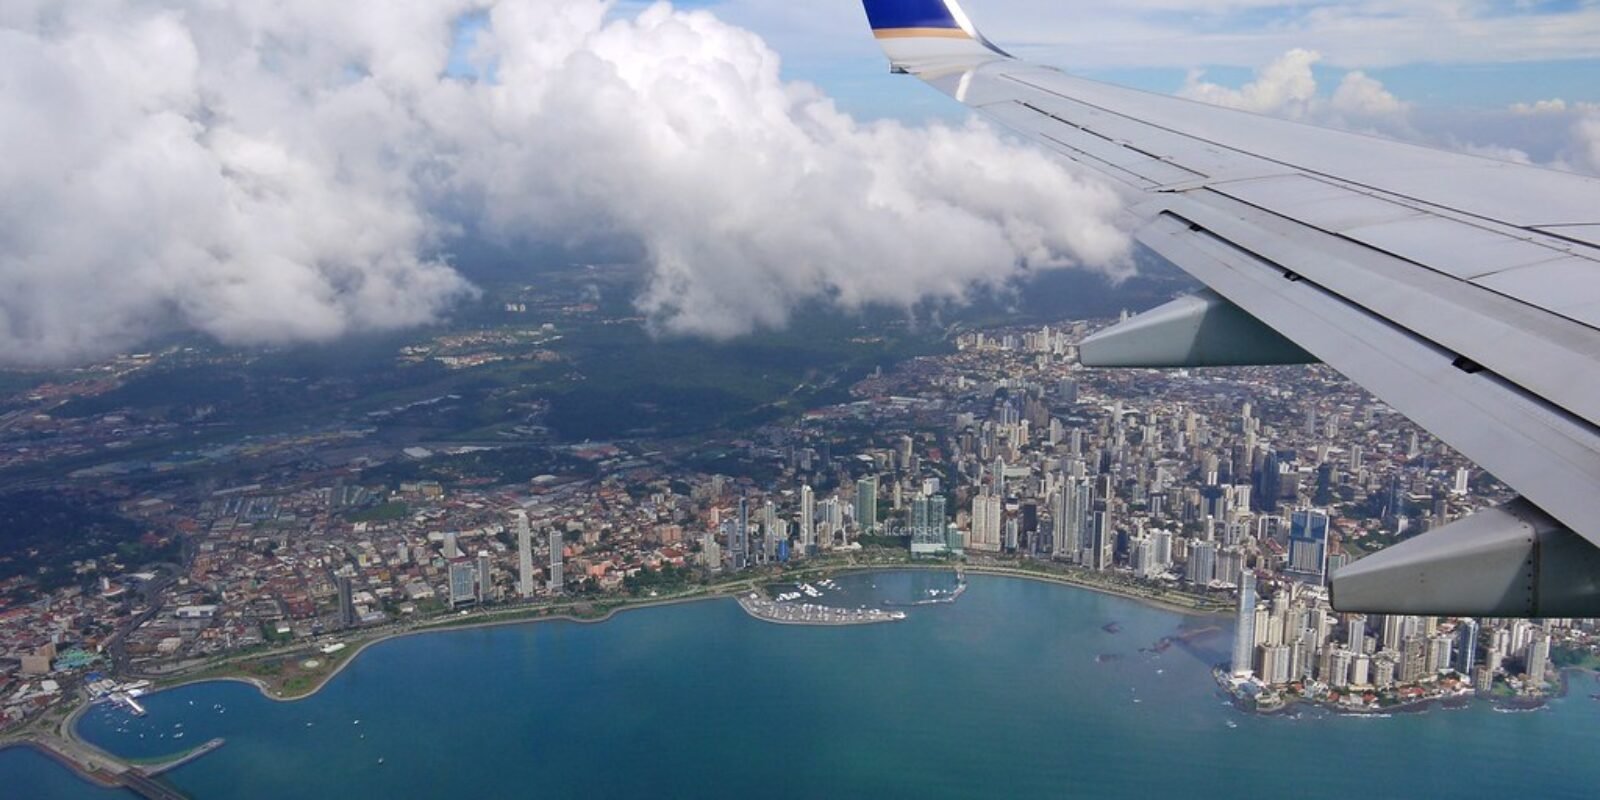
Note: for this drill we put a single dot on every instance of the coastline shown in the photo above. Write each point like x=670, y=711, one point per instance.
x=66, y=731
x=67, y=728
x=730, y=592
x=1064, y=581
x=101, y=768
x=441, y=627
x=1423, y=705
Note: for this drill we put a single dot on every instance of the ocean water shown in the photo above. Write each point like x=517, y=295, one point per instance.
x=1020, y=689
x=27, y=773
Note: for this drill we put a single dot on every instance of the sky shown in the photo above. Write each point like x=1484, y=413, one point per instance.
x=268, y=172
x=1444, y=53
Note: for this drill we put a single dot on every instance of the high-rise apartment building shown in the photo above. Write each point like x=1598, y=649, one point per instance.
x=558, y=581
x=519, y=519
x=1244, y=640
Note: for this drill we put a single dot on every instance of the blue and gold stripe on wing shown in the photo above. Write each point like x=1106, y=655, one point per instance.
x=920, y=33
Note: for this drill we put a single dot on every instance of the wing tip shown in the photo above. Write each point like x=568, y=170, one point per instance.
x=917, y=33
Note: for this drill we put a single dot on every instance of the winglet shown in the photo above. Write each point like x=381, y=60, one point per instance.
x=921, y=35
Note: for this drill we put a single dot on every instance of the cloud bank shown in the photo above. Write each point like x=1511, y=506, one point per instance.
x=280, y=172
x=1569, y=132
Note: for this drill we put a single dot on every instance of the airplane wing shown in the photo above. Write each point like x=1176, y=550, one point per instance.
x=1463, y=291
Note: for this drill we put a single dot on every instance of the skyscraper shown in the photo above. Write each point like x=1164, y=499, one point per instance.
x=1070, y=518
x=710, y=552
x=557, y=578
x=1308, y=546
x=1538, y=658
x=1270, y=482
x=867, y=505
x=485, y=578
x=347, y=605
x=1466, y=659
x=739, y=537
x=1356, y=632
x=928, y=525
x=769, y=531
x=1102, y=543
x=1202, y=564
x=1324, y=493
x=524, y=530
x=1244, y=639
x=808, y=520
x=986, y=523
x=463, y=581
x=832, y=523
x=1059, y=523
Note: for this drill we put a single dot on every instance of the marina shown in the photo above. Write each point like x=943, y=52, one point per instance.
x=786, y=613
x=103, y=690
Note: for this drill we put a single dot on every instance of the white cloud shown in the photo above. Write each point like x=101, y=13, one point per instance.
x=1360, y=95
x=158, y=178
x=1287, y=87
x=1566, y=135
x=1495, y=151
x=1586, y=138
x=270, y=172
x=1284, y=87
x=1580, y=149
x=1554, y=105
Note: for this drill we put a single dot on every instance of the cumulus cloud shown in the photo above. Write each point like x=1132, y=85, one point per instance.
x=1586, y=137
x=1564, y=134
x=750, y=194
x=1361, y=96
x=1580, y=150
x=1554, y=105
x=276, y=172
x=1284, y=87
x=161, y=175
x=1287, y=87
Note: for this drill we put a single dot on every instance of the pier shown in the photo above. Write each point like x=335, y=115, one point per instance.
x=168, y=766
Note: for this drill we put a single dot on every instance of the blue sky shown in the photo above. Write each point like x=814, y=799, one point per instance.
x=1467, y=54
x=1454, y=70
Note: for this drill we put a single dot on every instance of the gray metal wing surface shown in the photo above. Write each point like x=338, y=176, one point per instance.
x=1463, y=291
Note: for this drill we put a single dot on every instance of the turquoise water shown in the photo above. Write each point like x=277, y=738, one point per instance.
x=1016, y=690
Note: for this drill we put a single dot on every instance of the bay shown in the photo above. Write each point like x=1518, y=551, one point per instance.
x=1019, y=689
